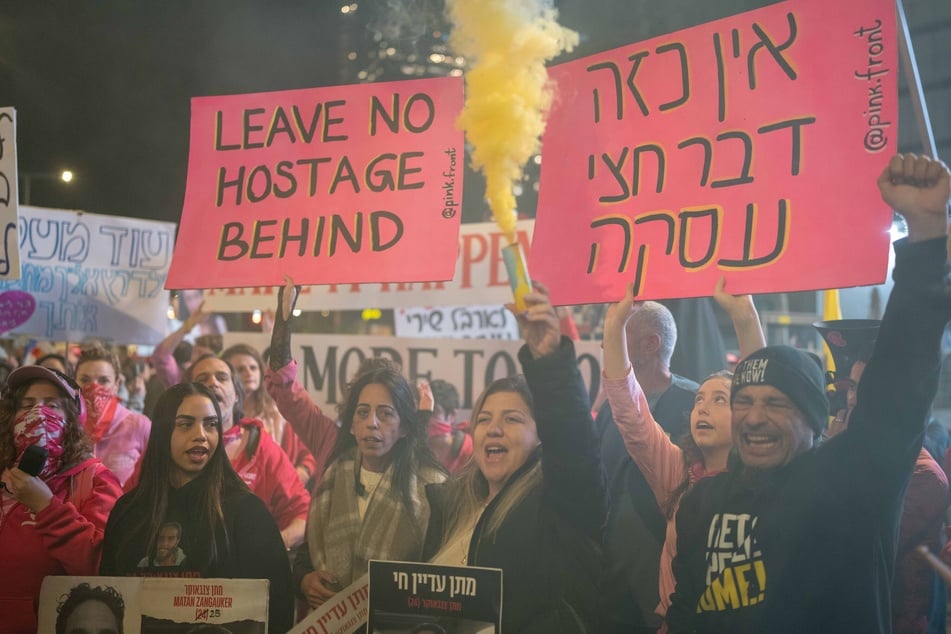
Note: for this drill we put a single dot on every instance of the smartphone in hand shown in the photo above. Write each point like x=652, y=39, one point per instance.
x=33, y=460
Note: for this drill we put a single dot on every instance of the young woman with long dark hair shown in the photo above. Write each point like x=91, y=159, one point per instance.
x=190, y=514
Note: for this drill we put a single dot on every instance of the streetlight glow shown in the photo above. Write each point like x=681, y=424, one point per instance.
x=66, y=176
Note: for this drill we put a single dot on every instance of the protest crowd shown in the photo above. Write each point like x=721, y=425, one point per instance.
x=771, y=520
x=778, y=493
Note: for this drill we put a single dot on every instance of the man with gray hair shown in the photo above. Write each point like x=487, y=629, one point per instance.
x=636, y=527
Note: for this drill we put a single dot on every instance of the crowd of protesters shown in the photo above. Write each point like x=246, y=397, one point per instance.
x=725, y=506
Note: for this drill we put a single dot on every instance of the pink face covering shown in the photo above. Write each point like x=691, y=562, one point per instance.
x=43, y=426
x=100, y=409
x=439, y=427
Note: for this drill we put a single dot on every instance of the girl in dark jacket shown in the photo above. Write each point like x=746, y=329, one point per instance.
x=190, y=514
x=532, y=501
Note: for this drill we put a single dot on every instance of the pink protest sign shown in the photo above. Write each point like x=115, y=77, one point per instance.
x=346, y=184
x=747, y=147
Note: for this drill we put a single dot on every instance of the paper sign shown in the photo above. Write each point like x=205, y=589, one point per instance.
x=345, y=613
x=137, y=604
x=358, y=183
x=91, y=276
x=480, y=278
x=457, y=322
x=325, y=363
x=411, y=597
x=9, y=197
x=747, y=147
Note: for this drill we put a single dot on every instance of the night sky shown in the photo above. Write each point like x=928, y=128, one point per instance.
x=103, y=87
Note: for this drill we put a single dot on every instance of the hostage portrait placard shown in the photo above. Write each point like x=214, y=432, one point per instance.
x=411, y=597
x=747, y=147
x=137, y=605
x=345, y=184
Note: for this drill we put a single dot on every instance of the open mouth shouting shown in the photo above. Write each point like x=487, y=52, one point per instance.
x=495, y=452
x=198, y=455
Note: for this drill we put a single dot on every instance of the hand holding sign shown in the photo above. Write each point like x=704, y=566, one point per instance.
x=16, y=308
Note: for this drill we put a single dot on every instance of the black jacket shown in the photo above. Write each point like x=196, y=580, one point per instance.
x=548, y=546
x=810, y=547
x=254, y=549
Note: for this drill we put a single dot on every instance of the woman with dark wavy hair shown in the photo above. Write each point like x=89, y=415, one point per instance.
x=221, y=529
x=51, y=522
x=371, y=502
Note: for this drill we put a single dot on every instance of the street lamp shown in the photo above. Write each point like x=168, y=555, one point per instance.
x=65, y=176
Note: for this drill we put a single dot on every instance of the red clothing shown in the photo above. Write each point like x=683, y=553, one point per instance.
x=317, y=431
x=268, y=473
x=271, y=476
x=297, y=451
x=59, y=540
x=925, y=502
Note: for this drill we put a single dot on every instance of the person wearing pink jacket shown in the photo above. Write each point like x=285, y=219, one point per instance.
x=669, y=468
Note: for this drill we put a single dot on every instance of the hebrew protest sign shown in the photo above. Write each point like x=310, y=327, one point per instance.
x=480, y=278
x=140, y=604
x=327, y=362
x=90, y=275
x=413, y=597
x=345, y=613
x=346, y=184
x=747, y=147
x=457, y=322
x=9, y=197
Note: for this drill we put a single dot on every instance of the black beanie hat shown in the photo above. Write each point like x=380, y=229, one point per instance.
x=792, y=372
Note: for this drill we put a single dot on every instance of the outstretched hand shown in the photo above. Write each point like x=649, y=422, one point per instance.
x=618, y=314
x=736, y=306
x=426, y=401
x=287, y=297
x=195, y=317
x=918, y=187
x=539, y=323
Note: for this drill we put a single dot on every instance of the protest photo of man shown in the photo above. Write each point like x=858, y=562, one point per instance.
x=90, y=609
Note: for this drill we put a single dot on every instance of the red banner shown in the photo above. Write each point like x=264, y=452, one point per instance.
x=346, y=184
x=746, y=147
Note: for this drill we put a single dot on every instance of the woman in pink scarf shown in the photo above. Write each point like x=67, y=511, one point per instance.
x=118, y=435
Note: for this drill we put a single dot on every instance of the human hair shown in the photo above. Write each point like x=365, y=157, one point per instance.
x=212, y=342
x=215, y=481
x=182, y=353
x=96, y=351
x=445, y=395
x=256, y=404
x=655, y=318
x=68, y=368
x=468, y=489
x=76, y=444
x=693, y=455
x=411, y=453
x=107, y=595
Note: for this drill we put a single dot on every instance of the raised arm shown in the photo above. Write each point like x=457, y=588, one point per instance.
x=571, y=462
x=742, y=312
x=317, y=431
x=660, y=460
x=895, y=393
x=166, y=368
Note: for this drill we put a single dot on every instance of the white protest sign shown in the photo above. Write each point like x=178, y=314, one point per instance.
x=93, y=276
x=457, y=322
x=345, y=613
x=9, y=245
x=327, y=362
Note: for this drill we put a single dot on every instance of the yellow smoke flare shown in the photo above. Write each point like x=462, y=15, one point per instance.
x=506, y=44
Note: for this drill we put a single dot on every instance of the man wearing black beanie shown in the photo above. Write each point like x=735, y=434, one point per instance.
x=795, y=537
